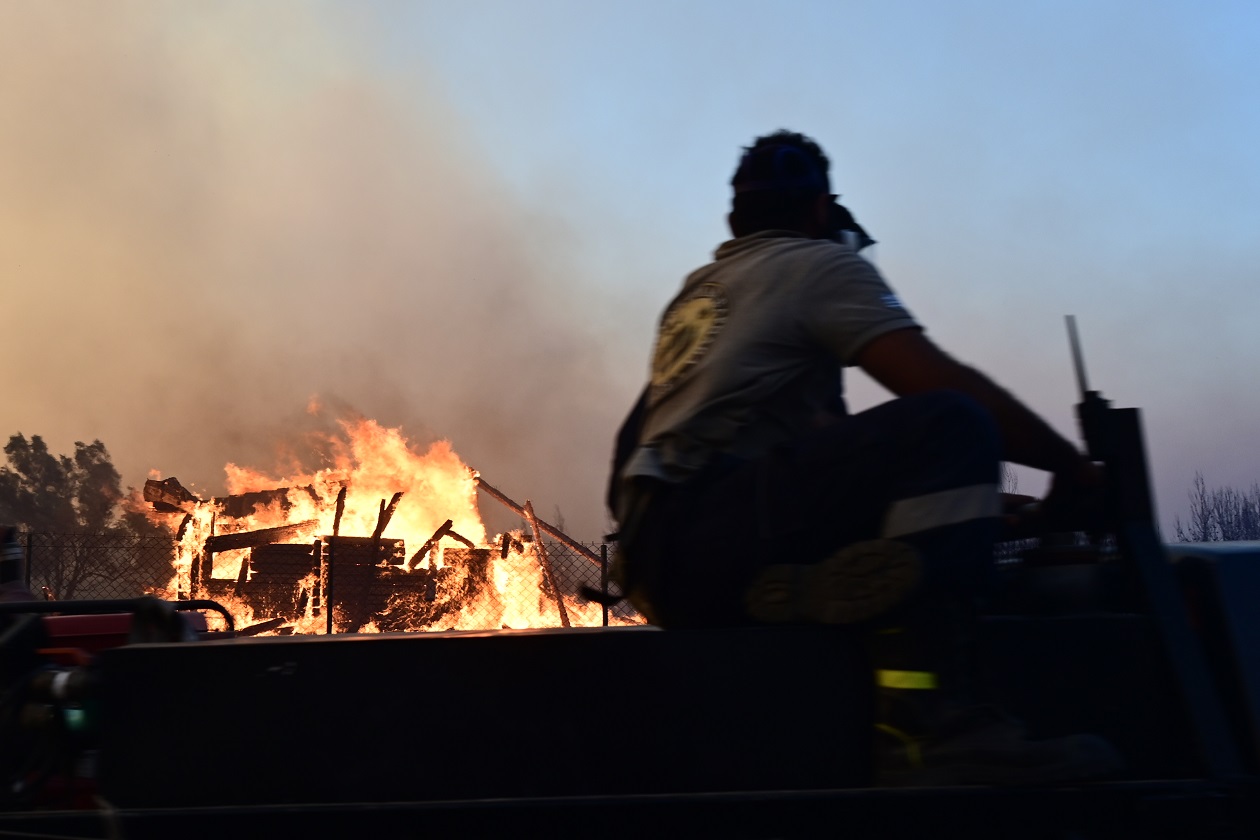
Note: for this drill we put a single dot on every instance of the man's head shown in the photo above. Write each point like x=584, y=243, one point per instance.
x=781, y=184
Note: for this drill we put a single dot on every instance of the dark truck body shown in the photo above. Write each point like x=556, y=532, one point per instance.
x=639, y=732
x=633, y=732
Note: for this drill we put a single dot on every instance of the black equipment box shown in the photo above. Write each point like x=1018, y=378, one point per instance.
x=422, y=717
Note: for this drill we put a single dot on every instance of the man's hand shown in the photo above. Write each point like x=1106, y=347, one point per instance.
x=1021, y=516
x=1075, y=501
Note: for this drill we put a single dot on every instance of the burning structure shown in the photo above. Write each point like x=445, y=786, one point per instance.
x=385, y=539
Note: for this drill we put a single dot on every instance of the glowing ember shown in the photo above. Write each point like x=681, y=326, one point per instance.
x=394, y=578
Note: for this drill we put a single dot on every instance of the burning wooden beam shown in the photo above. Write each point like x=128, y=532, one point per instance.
x=386, y=514
x=507, y=544
x=548, y=575
x=442, y=531
x=242, y=576
x=382, y=520
x=261, y=627
x=555, y=532
x=169, y=495
x=263, y=536
x=341, y=509
x=202, y=564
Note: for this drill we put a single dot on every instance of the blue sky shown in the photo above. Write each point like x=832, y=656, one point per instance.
x=517, y=188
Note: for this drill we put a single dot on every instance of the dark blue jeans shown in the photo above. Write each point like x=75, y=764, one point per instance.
x=702, y=542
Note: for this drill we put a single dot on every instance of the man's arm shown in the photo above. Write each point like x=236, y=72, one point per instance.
x=907, y=362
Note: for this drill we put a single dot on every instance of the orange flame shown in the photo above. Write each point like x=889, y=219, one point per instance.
x=483, y=589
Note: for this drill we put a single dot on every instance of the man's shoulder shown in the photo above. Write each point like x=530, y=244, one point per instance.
x=793, y=248
x=763, y=241
x=790, y=268
x=814, y=262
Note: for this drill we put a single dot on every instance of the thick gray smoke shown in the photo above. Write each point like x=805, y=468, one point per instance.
x=210, y=213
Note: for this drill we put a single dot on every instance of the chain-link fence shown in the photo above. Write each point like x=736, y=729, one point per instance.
x=369, y=584
x=69, y=567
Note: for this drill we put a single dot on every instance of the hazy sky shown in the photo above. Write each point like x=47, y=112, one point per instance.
x=465, y=218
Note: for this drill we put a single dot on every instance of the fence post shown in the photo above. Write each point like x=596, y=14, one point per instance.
x=543, y=561
x=30, y=542
x=317, y=595
x=329, y=556
x=329, y=603
x=603, y=578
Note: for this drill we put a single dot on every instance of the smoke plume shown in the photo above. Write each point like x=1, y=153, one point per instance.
x=211, y=213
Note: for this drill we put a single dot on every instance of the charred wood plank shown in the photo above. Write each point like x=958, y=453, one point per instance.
x=247, y=504
x=442, y=531
x=207, y=554
x=261, y=627
x=243, y=576
x=387, y=513
x=341, y=508
x=460, y=538
x=169, y=495
x=202, y=564
x=507, y=542
x=263, y=536
x=183, y=526
x=382, y=520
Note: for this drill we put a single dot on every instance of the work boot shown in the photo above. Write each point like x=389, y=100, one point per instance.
x=981, y=745
x=931, y=731
x=856, y=583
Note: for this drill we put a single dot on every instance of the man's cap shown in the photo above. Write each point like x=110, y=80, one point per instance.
x=779, y=167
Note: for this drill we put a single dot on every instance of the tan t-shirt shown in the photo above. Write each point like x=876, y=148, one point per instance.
x=749, y=354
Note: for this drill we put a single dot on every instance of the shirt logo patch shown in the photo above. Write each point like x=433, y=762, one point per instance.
x=686, y=332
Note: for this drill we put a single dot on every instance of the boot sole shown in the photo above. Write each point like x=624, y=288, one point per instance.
x=857, y=583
